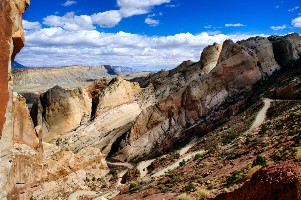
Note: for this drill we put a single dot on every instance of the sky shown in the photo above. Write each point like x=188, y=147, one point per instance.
x=145, y=34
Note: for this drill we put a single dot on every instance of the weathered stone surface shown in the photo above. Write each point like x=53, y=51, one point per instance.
x=63, y=111
x=286, y=48
x=281, y=181
x=11, y=42
x=262, y=50
x=209, y=57
x=117, y=92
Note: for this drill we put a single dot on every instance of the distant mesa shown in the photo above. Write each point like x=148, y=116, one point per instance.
x=17, y=65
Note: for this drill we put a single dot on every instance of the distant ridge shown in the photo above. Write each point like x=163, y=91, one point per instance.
x=17, y=65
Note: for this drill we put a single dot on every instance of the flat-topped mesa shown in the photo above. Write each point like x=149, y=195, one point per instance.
x=60, y=75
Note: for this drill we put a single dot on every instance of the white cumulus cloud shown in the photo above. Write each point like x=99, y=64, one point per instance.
x=31, y=25
x=151, y=22
x=70, y=22
x=297, y=22
x=69, y=3
x=277, y=28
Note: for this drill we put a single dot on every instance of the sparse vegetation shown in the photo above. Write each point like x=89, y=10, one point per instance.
x=188, y=187
x=182, y=163
x=235, y=176
x=229, y=138
x=201, y=193
x=185, y=197
x=263, y=129
x=198, y=156
x=260, y=161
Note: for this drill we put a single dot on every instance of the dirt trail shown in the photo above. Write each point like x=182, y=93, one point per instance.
x=128, y=165
x=261, y=115
x=188, y=146
x=177, y=163
x=142, y=167
x=77, y=194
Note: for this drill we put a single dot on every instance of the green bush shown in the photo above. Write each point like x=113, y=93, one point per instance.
x=229, y=138
x=188, y=187
x=260, y=161
x=235, y=176
x=264, y=129
x=182, y=163
x=198, y=156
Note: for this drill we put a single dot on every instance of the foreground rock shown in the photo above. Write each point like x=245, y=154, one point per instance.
x=281, y=181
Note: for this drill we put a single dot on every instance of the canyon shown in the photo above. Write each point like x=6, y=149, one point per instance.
x=214, y=127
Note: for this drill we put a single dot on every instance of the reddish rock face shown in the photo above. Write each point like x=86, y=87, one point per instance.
x=279, y=182
x=11, y=34
x=5, y=35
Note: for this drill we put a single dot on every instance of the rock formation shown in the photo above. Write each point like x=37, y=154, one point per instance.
x=210, y=56
x=280, y=181
x=12, y=40
x=59, y=111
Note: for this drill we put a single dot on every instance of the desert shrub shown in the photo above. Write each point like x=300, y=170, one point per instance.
x=182, y=163
x=277, y=155
x=298, y=154
x=247, y=141
x=201, y=193
x=263, y=129
x=185, y=197
x=175, y=179
x=252, y=171
x=113, y=173
x=260, y=161
x=198, y=156
x=229, y=138
x=188, y=187
x=279, y=127
x=235, y=176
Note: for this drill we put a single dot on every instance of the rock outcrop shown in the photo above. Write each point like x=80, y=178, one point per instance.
x=281, y=181
x=210, y=56
x=12, y=40
x=59, y=111
x=185, y=97
x=286, y=48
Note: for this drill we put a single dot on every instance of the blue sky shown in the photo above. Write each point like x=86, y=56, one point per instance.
x=148, y=34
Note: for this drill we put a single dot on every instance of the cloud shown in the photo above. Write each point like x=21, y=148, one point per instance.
x=208, y=27
x=151, y=22
x=56, y=46
x=277, y=28
x=234, y=25
x=70, y=22
x=293, y=9
x=107, y=19
x=69, y=3
x=297, y=22
x=31, y=25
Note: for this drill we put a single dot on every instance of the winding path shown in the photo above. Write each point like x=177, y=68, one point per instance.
x=177, y=163
x=75, y=195
x=261, y=115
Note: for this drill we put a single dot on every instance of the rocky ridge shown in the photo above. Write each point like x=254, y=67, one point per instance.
x=61, y=145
